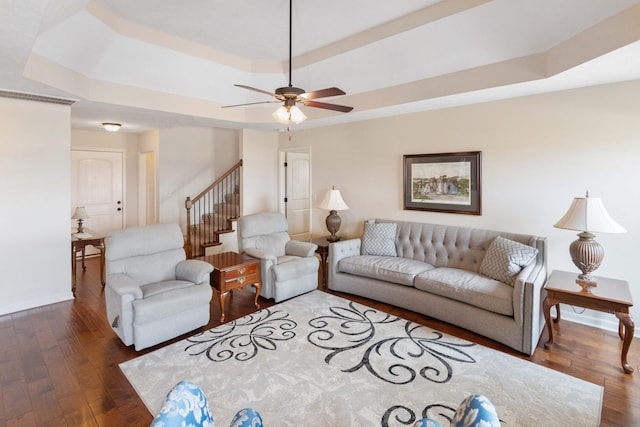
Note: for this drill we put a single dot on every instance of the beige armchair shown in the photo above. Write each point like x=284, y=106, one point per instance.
x=287, y=267
x=152, y=292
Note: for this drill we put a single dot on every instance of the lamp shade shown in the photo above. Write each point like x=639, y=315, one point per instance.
x=80, y=213
x=286, y=114
x=588, y=214
x=333, y=201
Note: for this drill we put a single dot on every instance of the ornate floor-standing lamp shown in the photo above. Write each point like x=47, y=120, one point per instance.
x=333, y=202
x=587, y=214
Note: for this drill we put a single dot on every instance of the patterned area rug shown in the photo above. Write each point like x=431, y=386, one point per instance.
x=322, y=359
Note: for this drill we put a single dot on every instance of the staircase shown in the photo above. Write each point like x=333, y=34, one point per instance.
x=212, y=213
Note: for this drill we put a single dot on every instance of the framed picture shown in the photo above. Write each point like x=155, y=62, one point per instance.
x=447, y=182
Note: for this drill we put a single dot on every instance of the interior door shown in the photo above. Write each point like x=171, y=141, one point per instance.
x=298, y=188
x=96, y=184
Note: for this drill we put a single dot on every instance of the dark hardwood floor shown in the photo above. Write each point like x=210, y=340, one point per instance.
x=59, y=363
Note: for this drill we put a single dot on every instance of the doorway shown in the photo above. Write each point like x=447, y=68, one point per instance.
x=295, y=188
x=146, y=188
x=97, y=184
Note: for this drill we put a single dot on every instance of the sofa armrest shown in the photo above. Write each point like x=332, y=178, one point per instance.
x=122, y=285
x=301, y=249
x=260, y=254
x=339, y=250
x=528, y=294
x=193, y=270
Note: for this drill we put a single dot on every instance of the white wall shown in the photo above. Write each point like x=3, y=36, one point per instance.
x=35, y=254
x=538, y=153
x=126, y=143
x=259, y=152
x=190, y=159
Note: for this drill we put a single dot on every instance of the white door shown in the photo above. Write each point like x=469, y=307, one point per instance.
x=96, y=184
x=298, y=189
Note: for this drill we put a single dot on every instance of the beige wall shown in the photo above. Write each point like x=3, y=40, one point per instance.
x=189, y=159
x=538, y=152
x=35, y=266
x=260, y=171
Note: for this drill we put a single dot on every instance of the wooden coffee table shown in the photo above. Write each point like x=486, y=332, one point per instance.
x=232, y=270
x=610, y=296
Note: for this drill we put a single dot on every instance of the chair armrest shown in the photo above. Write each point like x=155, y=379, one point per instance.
x=193, y=270
x=260, y=254
x=301, y=249
x=124, y=285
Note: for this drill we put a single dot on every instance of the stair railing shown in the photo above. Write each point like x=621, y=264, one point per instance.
x=210, y=213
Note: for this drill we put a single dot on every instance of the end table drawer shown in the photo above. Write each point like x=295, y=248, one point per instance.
x=241, y=271
x=246, y=279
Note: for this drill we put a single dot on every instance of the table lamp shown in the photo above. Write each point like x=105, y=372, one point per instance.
x=333, y=202
x=587, y=214
x=80, y=214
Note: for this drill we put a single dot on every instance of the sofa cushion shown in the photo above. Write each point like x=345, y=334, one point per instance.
x=468, y=287
x=379, y=239
x=505, y=259
x=391, y=269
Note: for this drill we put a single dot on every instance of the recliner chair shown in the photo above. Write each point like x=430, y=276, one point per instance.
x=288, y=268
x=152, y=292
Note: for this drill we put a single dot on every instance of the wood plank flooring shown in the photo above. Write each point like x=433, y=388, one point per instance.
x=59, y=363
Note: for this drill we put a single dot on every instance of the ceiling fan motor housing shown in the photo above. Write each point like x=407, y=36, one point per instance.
x=290, y=91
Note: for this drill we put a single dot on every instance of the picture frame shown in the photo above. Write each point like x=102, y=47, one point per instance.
x=444, y=182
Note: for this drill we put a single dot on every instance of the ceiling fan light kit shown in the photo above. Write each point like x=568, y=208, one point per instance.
x=288, y=111
x=286, y=115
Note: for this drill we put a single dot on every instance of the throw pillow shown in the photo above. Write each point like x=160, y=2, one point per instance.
x=505, y=259
x=185, y=404
x=247, y=417
x=379, y=239
x=476, y=410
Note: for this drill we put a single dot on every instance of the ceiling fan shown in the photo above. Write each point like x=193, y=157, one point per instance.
x=291, y=95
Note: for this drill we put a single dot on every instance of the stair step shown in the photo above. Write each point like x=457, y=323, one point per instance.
x=228, y=230
x=210, y=244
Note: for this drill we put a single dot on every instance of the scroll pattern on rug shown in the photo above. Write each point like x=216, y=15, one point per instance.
x=403, y=415
x=242, y=339
x=357, y=337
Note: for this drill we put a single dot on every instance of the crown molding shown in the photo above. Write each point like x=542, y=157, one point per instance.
x=34, y=97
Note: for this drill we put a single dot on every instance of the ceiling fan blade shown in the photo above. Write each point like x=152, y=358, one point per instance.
x=323, y=93
x=250, y=103
x=256, y=90
x=327, y=106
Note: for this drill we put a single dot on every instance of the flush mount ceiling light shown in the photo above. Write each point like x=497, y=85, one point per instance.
x=111, y=127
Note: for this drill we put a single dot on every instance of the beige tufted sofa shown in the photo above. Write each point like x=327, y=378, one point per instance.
x=436, y=271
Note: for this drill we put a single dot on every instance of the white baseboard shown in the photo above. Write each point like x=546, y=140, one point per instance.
x=597, y=319
x=37, y=302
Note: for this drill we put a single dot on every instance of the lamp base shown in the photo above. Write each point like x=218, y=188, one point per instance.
x=333, y=222
x=586, y=254
x=80, y=226
x=586, y=285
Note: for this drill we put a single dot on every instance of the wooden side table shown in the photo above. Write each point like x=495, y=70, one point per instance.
x=609, y=296
x=79, y=242
x=323, y=251
x=232, y=270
